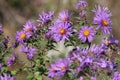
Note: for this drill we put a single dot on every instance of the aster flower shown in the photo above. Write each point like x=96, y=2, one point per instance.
x=20, y=36
x=29, y=27
x=81, y=4
x=116, y=76
x=59, y=68
x=45, y=17
x=102, y=19
x=61, y=32
x=29, y=51
x=11, y=60
x=6, y=77
x=86, y=33
x=63, y=17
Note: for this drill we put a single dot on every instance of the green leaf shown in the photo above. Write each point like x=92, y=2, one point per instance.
x=70, y=76
x=38, y=76
x=14, y=72
x=30, y=77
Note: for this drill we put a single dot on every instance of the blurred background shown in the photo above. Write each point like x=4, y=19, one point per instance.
x=14, y=13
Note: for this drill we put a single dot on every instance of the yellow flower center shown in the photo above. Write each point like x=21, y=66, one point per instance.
x=64, y=19
x=62, y=31
x=104, y=23
x=22, y=36
x=63, y=68
x=86, y=32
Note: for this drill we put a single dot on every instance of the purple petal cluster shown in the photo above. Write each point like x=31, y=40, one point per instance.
x=108, y=41
x=21, y=36
x=29, y=28
x=89, y=58
x=61, y=32
x=93, y=78
x=82, y=15
x=59, y=68
x=86, y=61
x=0, y=66
x=116, y=76
x=11, y=60
x=62, y=29
x=6, y=77
x=1, y=30
x=45, y=17
x=102, y=19
x=86, y=33
x=96, y=49
x=82, y=4
x=64, y=17
x=29, y=51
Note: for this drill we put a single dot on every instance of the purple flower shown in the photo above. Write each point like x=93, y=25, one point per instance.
x=118, y=52
x=0, y=66
x=1, y=30
x=75, y=54
x=29, y=28
x=45, y=17
x=96, y=49
x=7, y=42
x=81, y=78
x=29, y=51
x=112, y=40
x=11, y=60
x=99, y=10
x=63, y=17
x=116, y=76
x=107, y=41
x=102, y=63
x=81, y=4
x=59, y=68
x=6, y=77
x=20, y=36
x=48, y=35
x=86, y=61
x=86, y=33
x=110, y=65
x=93, y=78
x=102, y=19
x=61, y=31
x=82, y=15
